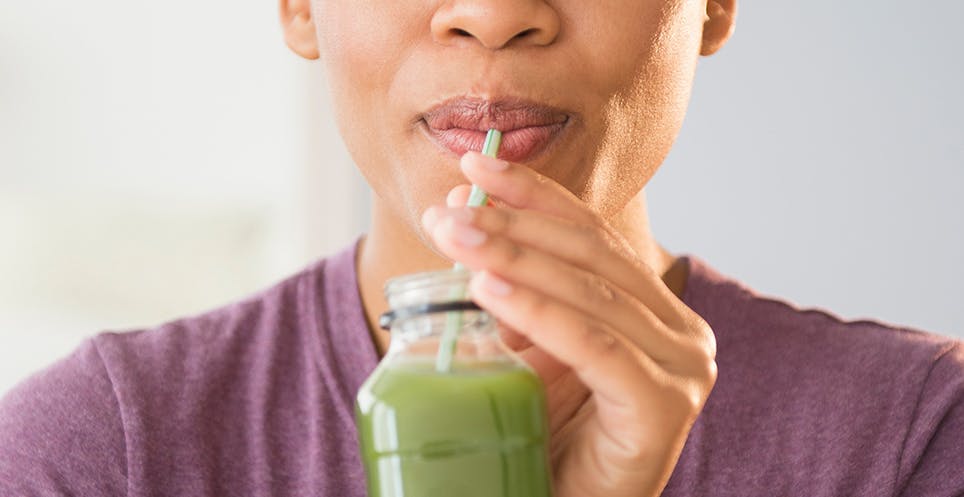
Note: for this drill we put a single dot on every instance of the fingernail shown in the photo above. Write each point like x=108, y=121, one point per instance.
x=494, y=164
x=486, y=162
x=465, y=235
x=494, y=285
x=429, y=218
x=456, y=196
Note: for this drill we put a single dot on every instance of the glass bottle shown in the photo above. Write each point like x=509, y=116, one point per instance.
x=475, y=429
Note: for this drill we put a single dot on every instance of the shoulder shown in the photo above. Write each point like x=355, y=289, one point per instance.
x=889, y=399
x=934, y=444
x=196, y=377
x=219, y=340
x=61, y=429
x=777, y=332
x=145, y=398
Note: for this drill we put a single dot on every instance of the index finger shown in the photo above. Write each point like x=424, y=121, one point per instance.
x=523, y=188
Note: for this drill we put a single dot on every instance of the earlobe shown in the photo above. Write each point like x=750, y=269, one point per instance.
x=718, y=26
x=299, y=30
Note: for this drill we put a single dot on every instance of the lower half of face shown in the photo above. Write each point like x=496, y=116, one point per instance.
x=591, y=94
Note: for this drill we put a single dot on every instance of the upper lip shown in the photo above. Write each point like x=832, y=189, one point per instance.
x=480, y=114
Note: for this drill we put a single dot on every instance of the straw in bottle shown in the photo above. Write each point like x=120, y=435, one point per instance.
x=453, y=320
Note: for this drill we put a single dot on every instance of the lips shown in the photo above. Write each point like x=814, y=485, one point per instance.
x=528, y=128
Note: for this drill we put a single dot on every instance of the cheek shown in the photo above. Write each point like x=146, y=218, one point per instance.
x=381, y=70
x=644, y=83
x=363, y=45
x=646, y=60
x=355, y=44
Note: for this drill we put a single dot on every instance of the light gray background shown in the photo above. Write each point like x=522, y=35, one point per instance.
x=823, y=159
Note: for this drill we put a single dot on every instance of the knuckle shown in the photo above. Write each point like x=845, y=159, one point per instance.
x=706, y=338
x=688, y=399
x=597, y=340
x=639, y=445
x=508, y=219
x=511, y=254
x=710, y=374
x=696, y=331
x=702, y=366
x=597, y=290
x=695, y=398
x=697, y=368
x=588, y=232
x=699, y=389
x=594, y=241
x=500, y=220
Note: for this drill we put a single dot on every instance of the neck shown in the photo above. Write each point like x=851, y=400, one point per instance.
x=392, y=249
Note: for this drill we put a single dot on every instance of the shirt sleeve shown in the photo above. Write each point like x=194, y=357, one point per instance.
x=933, y=456
x=61, y=431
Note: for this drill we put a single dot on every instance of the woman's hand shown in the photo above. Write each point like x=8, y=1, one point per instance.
x=627, y=366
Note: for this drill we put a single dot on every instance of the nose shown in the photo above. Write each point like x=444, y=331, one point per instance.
x=495, y=24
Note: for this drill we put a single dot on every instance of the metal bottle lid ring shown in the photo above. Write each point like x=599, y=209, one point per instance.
x=385, y=320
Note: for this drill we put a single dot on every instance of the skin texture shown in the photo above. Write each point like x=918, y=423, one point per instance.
x=564, y=257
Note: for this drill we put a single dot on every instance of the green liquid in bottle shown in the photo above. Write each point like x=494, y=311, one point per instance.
x=479, y=430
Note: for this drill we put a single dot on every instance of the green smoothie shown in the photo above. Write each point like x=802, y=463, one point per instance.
x=478, y=430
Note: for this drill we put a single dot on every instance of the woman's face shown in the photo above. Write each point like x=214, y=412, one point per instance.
x=590, y=94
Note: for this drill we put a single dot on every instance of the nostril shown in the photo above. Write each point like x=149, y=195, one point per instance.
x=462, y=33
x=462, y=24
x=525, y=33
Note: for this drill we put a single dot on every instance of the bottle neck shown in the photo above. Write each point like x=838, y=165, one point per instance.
x=430, y=308
x=422, y=334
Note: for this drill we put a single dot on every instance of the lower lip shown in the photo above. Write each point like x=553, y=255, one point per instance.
x=518, y=145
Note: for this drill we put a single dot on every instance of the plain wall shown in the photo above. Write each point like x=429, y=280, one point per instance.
x=822, y=159
x=156, y=160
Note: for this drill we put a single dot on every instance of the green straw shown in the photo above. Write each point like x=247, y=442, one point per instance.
x=453, y=320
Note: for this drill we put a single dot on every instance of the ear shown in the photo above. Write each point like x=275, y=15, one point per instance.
x=299, y=30
x=718, y=25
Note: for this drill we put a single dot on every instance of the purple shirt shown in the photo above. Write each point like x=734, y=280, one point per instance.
x=255, y=398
